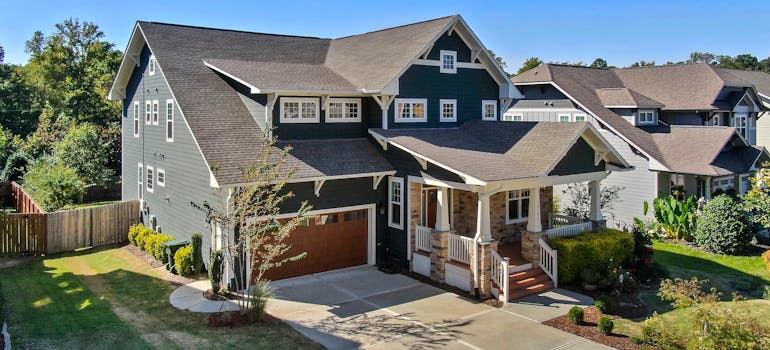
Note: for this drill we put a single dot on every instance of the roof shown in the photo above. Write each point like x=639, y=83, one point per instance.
x=626, y=98
x=334, y=157
x=492, y=151
x=283, y=76
x=759, y=79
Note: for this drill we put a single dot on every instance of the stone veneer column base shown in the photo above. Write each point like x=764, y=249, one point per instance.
x=485, y=268
x=530, y=246
x=439, y=241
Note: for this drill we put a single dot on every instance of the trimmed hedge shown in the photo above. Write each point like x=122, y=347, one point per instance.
x=723, y=228
x=592, y=250
x=183, y=260
x=149, y=241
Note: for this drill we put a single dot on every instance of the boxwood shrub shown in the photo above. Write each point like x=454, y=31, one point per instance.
x=723, y=228
x=592, y=250
x=183, y=260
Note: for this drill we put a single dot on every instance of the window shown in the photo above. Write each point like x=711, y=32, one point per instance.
x=411, y=110
x=517, y=206
x=716, y=120
x=513, y=117
x=140, y=194
x=580, y=118
x=396, y=203
x=741, y=123
x=147, y=112
x=155, y=112
x=342, y=110
x=169, y=121
x=448, y=110
x=448, y=60
x=489, y=110
x=136, y=119
x=646, y=117
x=150, y=182
x=564, y=118
x=299, y=110
x=161, y=177
x=151, y=66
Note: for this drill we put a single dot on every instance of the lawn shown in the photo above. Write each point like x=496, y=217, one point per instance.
x=110, y=298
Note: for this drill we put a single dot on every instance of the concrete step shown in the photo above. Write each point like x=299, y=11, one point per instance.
x=533, y=289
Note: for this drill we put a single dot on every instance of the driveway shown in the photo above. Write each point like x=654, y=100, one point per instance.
x=362, y=307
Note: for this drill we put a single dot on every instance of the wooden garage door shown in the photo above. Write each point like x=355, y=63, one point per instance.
x=331, y=241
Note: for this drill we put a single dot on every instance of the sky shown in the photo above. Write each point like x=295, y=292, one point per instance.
x=622, y=32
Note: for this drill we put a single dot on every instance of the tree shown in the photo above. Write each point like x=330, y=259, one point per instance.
x=500, y=62
x=579, y=200
x=702, y=57
x=530, y=63
x=742, y=62
x=17, y=113
x=53, y=185
x=84, y=150
x=757, y=201
x=599, y=63
x=9, y=144
x=642, y=63
x=2, y=54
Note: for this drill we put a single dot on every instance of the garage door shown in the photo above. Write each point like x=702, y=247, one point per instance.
x=331, y=241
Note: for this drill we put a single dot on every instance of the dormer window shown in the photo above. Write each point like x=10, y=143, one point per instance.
x=151, y=66
x=448, y=61
x=299, y=110
x=646, y=117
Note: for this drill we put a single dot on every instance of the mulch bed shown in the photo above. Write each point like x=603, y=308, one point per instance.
x=234, y=319
x=168, y=276
x=588, y=330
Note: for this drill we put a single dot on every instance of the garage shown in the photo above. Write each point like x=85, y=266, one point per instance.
x=332, y=240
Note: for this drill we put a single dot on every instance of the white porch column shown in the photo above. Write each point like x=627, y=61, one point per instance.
x=708, y=188
x=534, y=223
x=483, y=231
x=442, y=209
x=594, y=189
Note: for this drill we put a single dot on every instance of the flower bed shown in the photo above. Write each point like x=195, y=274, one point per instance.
x=588, y=329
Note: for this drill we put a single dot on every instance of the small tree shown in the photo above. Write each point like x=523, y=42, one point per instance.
x=260, y=241
x=84, y=149
x=53, y=185
x=757, y=201
x=579, y=198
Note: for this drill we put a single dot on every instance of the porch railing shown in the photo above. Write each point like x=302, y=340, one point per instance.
x=571, y=230
x=422, y=238
x=560, y=220
x=460, y=248
x=500, y=273
x=549, y=262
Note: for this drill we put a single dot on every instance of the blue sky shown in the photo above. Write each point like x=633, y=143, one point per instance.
x=621, y=32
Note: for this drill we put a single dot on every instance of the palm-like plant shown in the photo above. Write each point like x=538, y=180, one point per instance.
x=676, y=218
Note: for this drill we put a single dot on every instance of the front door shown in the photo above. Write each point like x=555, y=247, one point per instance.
x=429, y=207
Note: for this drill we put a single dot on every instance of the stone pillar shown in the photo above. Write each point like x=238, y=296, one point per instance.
x=534, y=224
x=484, y=263
x=594, y=189
x=598, y=225
x=439, y=241
x=530, y=246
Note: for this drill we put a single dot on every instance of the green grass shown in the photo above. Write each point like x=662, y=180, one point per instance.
x=87, y=205
x=111, y=299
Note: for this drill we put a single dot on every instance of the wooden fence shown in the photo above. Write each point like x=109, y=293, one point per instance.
x=24, y=203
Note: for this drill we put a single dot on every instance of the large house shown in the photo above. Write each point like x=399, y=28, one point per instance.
x=688, y=128
x=397, y=145
x=761, y=82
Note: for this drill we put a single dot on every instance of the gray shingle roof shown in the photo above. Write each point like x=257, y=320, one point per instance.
x=283, y=76
x=614, y=97
x=335, y=157
x=759, y=79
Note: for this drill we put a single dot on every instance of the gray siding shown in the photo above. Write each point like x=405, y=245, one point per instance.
x=542, y=115
x=763, y=129
x=681, y=118
x=187, y=176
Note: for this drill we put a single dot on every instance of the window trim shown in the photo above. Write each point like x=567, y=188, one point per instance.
x=155, y=112
x=300, y=119
x=645, y=111
x=452, y=54
x=135, y=120
x=170, y=102
x=485, y=103
x=150, y=175
x=140, y=181
x=569, y=118
x=345, y=118
x=441, y=104
x=508, y=200
x=575, y=116
x=391, y=181
x=412, y=101
x=147, y=112
x=151, y=65
x=742, y=130
x=513, y=117
x=158, y=172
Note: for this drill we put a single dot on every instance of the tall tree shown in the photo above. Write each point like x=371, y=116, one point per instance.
x=642, y=63
x=2, y=54
x=742, y=62
x=16, y=112
x=599, y=63
x=702, y=57
x=530, y=63
x=500, y=62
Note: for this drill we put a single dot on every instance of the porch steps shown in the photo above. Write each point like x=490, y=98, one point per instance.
x=523, y=283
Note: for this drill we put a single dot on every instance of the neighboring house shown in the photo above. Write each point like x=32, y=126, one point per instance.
x=761, y=82
x=683, y=127
x=396, y=142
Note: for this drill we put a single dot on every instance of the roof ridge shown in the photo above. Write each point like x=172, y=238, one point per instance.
x=231, y=30
x=663, y=66
x=575, y=66
x=396, y=27
x=700, y=126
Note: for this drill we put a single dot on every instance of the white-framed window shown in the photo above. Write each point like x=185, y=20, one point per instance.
x=716, y=120
x=155, y=112
x=140, y=194
x=448, y=108
x=646, y=117
x=299, y=110
x=564, y=118
x=513, y=117
x=151, y=66
x=489, y=110
x=517, y=206
x=136, y=119
x=411, y=110
x=579, y=118
x=448, y=61
x=148, y=112
x=150, y=179
x=169, y=120
x=396, y=203
x=741, y=123
x=161, y=177
x=343, y=110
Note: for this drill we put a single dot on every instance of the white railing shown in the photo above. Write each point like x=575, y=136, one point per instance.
x=500, y=273
x=549, y=262
x=422, y=238
x=559, y=220
x=460, y=248
x=571, y=230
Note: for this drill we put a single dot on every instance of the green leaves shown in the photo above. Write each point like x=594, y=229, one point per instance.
x=676, y=218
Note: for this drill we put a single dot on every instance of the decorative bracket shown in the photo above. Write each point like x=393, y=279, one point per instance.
x=506, y=102
x=423, y=162
x=376, y=181
x=475, y=54
x=383, y=100
x=427, y=52
x=317, y=187
x=324, y=102
x=599, y=155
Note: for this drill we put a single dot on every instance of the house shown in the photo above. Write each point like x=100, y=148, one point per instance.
x=689, y=128
x=397, y=145
x=761, y=82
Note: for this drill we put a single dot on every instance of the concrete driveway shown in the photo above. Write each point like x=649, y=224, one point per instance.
x=365, y=308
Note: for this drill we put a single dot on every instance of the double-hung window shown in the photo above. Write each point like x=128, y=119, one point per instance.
x=518, y=206
x=564, y=118
x=741, y=123
x=448, y=110
x=161, y=177
x=343, y=110
x=155, y=112
x=136, y=119
x=411, y=110
x=646, y=117
x=140, y=194
x=513, y=117
x=169, y=120
x=151, y=66
x=396, y=203
x=150, y=179
x=148, y=112
x=448, y=61
x=489, y=110
x=299, y=110
x=580, y=118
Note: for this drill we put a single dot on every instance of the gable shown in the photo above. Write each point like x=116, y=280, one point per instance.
x=578, y=160
x=452, y=43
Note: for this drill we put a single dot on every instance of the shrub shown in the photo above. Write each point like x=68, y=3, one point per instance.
x=766, y=258
x=766, y=292
x=217, y=258
x=610, y=303
x=158, y=249
x=133, y=232
x=593, y=251
x=183, y=261
x=142, y=236
x=53, y=185
x=605, y=325
x=575, y=315
x=685, y=293
x=637, y=340
x=676, y=217
x=197, y=254
x=259, y=293
x=84, y=149
x=723, y=228
x=601, y=305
